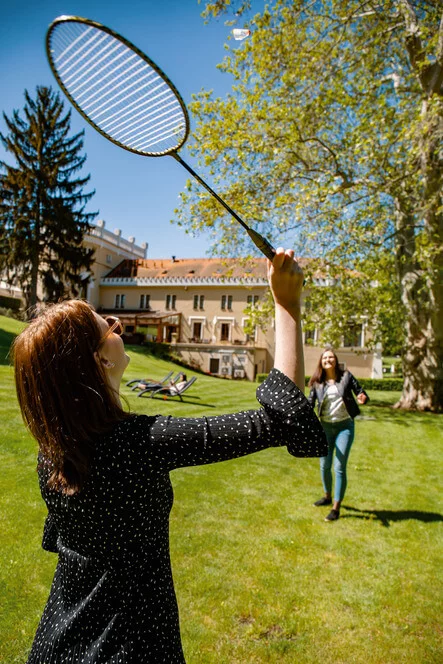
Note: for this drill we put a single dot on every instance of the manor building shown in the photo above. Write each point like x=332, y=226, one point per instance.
x=198, y=307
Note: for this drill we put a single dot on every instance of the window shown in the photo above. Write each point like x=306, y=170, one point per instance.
x=226, y=302
x=170, y=301
x=253, y=299
x=199, y=302
x=108, y=259
x=120, y=301
x=352, y=335
x=224, y=334
x=145, y=302
x=197, y=330
x=310, y=337
x=251, y=335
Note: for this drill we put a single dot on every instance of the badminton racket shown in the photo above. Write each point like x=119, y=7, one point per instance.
x=124, y=95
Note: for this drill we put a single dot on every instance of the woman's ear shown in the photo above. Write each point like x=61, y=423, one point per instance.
x=103, y=361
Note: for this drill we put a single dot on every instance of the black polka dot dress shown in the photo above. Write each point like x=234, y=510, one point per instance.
x=112, y=599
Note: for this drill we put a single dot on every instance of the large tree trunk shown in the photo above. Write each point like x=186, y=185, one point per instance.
x=35, y=264
x=422, y=278
x=423, y=356
x=33, y=285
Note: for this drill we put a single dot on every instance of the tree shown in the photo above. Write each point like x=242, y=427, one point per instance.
x=333, y=131
x=42, y=206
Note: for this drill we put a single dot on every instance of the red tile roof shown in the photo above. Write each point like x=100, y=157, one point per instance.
x=160, y=268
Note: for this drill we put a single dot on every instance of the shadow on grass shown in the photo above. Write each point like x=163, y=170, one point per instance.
x=192, y=401
x=386, y=517
x=385, y=412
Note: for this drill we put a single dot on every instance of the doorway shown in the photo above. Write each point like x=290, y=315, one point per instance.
x=214, y=365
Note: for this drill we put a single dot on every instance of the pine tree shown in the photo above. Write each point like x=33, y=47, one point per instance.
x=42, y=203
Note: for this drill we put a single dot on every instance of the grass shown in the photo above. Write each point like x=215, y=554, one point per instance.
x=260, y=577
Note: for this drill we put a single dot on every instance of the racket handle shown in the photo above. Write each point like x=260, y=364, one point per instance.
x=262, y=243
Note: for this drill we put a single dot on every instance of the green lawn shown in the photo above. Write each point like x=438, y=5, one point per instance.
x=260, y=577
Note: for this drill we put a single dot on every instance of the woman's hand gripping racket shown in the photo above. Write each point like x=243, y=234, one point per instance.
x=124, y=95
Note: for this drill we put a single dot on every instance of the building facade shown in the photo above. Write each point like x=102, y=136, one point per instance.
x=198, y=306
x=110, y=249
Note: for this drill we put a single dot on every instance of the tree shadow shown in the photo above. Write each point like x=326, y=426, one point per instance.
x=385, y=412
x=386, y=517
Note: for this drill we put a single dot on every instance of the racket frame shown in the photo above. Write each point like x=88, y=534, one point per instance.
x=143, y=56
x=260, y=242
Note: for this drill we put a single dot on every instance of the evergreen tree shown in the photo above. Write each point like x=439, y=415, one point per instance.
x=332, y=140
x=42, y=204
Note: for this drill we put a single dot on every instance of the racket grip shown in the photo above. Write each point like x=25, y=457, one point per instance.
x=262, y=243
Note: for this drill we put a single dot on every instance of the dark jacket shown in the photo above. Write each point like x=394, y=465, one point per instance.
x=112, y=598
x=347, y=385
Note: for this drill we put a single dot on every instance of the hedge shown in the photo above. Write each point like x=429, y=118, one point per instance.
x=386, y=384
x=12, y=303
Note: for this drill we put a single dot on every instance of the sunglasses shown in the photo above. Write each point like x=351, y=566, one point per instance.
x=115, y=327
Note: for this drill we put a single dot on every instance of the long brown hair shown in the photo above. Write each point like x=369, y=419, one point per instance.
x=62, y=391
x=319, y=375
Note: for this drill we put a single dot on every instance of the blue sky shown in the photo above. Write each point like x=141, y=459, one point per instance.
x=136, y=194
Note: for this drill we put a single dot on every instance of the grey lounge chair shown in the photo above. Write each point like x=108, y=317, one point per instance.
x=148, y=387
x=172, y=391
x=149, y=381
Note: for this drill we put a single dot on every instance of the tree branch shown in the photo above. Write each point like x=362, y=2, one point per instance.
x=439, y=53
x=430, y=75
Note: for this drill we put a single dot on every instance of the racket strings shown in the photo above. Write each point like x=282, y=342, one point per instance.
x=117, y=90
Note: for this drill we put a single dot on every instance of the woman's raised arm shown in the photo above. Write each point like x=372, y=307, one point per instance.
x=286, y=283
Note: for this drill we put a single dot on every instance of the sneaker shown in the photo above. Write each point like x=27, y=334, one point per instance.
x=333, y=515
x=323, y=501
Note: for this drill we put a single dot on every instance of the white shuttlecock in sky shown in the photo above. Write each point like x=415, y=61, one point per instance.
x=240, y=33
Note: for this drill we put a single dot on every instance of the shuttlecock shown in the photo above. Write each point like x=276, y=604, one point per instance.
x=240, y=33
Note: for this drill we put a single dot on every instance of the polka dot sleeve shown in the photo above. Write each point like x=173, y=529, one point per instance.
x=285, y=418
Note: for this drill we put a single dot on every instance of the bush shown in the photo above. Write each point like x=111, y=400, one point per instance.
x=133, y=338
x=13, y=313
x=12, y=303
x=386, y=384
x=161, y=350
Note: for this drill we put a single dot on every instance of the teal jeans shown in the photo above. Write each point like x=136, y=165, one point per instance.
x=340, y=436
